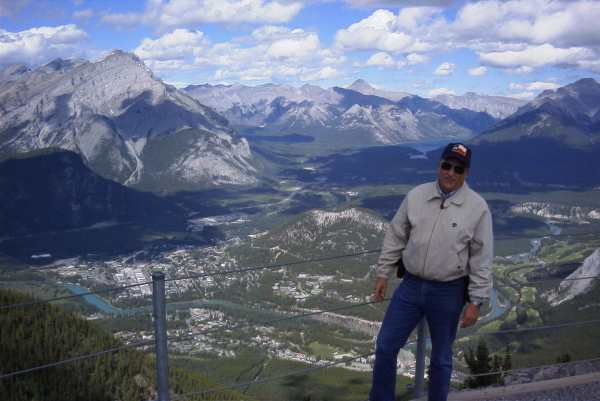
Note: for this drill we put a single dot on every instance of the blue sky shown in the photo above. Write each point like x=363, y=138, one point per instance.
x=512, y=48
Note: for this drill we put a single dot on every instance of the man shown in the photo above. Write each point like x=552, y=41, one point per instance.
x=442, y=235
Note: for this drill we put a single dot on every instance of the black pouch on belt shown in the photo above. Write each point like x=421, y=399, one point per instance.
x=400, y=270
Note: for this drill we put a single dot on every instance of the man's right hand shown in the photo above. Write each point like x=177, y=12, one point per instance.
x=379, y=291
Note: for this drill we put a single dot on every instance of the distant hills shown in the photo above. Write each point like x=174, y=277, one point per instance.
x=359, y=115
x=318, y=233
x=126, y=124
x=54, y=190
x=496, y=106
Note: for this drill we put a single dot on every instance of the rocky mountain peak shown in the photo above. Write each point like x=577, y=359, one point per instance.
x=124, y=56
x=114, y=113
x=586, y=83
x=360, y=85
x=576, y=100
x=584, y=86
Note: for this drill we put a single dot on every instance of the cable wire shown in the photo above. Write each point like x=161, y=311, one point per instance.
x=531, y=367
x=174, y=340
x=549, y=280
x=536, y=328
x=273, y=266
x=273, y=378
x=204, y=275
x=541, y=236
x=186, y=337
x=46, y=301
x=76, y=359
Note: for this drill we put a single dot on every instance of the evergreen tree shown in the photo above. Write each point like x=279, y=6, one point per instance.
x=507, y=363
x=490, y=368
x=42, y=334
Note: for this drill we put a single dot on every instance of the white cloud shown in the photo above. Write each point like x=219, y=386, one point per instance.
x=533, y=86
x=381, y=59
x=165, y=65
x=39, y=44
x=523, y=95
x=440, y=91
x=522, y=70
x=517, y=35
x=477, y=71
x=414, y=58
x=410, y=18
x=573, y=24
x=268, y=53
x=179, y=44
x=536, y=56
x=445, y=69
x=301, y=46
x=322, y=74
x=592, y=65
x=82, y=14
x=149, y=16
x=377, y=32
x=180, y=13
x=398, y=3
x=272, y=32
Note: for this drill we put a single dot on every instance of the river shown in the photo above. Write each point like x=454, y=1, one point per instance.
x=103, y=306
x=95, y=300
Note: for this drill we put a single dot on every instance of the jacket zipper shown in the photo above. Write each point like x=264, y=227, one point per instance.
x=430, y=237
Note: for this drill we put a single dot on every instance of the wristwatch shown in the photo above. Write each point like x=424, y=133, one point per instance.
x=478, y=304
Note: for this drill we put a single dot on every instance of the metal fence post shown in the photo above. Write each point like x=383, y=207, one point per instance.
x=420, y=362
x=160, y=335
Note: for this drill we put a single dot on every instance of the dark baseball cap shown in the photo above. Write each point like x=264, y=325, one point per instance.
x=458, y=151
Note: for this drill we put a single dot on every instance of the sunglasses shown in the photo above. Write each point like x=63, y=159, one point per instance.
x=458, y=169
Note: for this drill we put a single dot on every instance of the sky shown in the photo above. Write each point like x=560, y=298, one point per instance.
x=514, y=48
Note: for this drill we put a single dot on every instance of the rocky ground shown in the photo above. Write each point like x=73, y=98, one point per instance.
x=582, y=392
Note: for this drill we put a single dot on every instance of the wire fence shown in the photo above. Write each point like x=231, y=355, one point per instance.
x=233, y=386
x=530, y=368
x=268, y=322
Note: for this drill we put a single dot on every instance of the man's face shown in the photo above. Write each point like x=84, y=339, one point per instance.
x=448, y=178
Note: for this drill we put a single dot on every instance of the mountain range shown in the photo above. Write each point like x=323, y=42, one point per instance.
x=359, y=115
x=497, y=106
x=132, y=128
x=570, y=115
x=127, y=125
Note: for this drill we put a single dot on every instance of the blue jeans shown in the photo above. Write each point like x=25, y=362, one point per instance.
x=441, y=304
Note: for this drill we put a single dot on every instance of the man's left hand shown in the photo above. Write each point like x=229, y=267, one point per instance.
x=470, y=316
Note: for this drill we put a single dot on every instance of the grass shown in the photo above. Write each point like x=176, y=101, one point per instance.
x=528, y=295
x=512, y=246
x=321, y=351
x=334, y=384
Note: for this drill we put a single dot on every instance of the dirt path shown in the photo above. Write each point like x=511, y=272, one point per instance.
x=516, y=390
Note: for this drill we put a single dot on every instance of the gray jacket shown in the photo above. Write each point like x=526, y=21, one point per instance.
x=442, y=241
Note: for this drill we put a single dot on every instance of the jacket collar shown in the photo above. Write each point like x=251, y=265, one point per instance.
x=458, y=198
